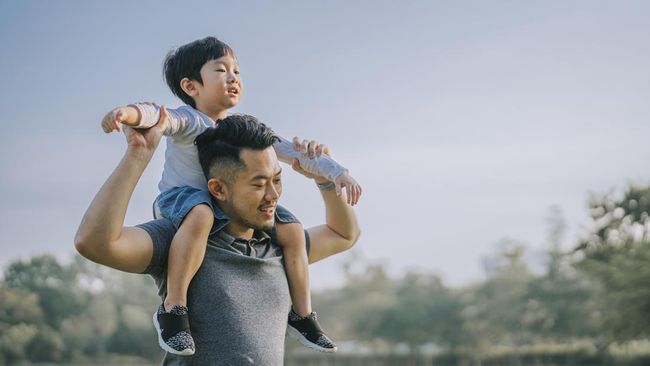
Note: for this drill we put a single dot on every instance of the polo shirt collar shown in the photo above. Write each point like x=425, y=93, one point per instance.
x=220, y=222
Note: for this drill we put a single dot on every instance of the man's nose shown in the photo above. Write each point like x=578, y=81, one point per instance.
x=272, y=193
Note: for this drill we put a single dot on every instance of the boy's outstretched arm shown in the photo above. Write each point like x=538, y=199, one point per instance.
x=341, y=230
x=147, y=114
x=101, y=236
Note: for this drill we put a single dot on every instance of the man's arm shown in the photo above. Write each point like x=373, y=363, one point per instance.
x=341, y=230
x=101, y=236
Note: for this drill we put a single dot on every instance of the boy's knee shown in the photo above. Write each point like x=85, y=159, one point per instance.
x=291, y=234
x=200, y=216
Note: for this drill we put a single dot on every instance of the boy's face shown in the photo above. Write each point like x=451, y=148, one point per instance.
x=221, y=87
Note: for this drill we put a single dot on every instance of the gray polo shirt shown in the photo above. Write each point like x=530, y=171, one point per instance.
x=238, y=300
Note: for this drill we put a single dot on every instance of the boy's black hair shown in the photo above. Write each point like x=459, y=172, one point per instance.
x=187, y=60
x=219, y=147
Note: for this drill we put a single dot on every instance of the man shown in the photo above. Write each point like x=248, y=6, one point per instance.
x=239, y=296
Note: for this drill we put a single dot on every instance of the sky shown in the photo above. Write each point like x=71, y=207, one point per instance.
x=464, y=121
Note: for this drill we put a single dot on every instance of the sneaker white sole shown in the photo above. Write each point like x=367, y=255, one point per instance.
x=305, y=342
x=164, y=346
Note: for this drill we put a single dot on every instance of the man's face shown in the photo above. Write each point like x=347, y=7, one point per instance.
x=253, y=196
x=221, y=87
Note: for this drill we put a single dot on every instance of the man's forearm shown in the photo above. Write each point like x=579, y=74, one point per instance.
x=340, y=216
x=104, y=219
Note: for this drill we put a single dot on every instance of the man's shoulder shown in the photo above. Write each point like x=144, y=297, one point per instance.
x=161, y=231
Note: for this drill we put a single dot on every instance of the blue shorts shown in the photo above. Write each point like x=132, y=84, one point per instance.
x=174, y=204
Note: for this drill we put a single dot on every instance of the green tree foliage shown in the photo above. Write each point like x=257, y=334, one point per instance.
x=561, y=302
x=366, y=290
x=79, y=312
x=424, y=311
x=53, y=284
x=495, y=309
x=617, y=257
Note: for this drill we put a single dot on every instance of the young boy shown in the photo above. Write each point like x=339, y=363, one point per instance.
x=205, y=75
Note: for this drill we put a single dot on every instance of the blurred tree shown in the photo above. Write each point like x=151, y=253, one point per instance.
x=424, y=311
x=616, y=254
x=496, y=308
x=14, y=342
x=133, y=337
x=18, y=306
x=45, y=346
x=54, y=284
x=366, y=290
x=560, y=303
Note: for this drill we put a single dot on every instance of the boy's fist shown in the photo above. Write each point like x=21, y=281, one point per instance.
x=112, y=120
x=129, y=115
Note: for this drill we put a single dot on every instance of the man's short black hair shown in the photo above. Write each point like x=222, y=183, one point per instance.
x=187, y=60
x=219, y=147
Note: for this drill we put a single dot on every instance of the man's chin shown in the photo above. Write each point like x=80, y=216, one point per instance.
x=268, y=225
x=265, y=225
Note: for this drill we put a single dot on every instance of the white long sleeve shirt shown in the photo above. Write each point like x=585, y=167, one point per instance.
x=182, y=166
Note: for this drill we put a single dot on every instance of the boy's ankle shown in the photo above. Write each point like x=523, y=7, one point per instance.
x=168, y=305
x=301, y=314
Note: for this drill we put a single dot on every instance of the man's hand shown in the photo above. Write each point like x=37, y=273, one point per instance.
x=147, y=139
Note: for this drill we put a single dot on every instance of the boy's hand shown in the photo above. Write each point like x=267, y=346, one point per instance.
x=343, y=181
x=128, y=115
x=112, y=120
x=312, y=148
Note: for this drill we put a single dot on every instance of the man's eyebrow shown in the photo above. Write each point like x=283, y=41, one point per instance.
x=262, y=176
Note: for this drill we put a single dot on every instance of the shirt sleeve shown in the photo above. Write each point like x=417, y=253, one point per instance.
x=162, y=232
x=323, y=166
x=179, y=119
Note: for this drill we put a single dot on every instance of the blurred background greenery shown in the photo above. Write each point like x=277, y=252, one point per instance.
x=589, y=305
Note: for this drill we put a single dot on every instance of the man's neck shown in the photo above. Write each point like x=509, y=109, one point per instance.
x=239, y=231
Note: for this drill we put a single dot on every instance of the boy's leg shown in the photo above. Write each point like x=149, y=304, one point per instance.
x=185, y=257
x=186, y=254
x=292, y=239
x=302, y=321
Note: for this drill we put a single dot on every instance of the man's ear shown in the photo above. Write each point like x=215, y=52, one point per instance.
x=189, y=87
x=218, y=189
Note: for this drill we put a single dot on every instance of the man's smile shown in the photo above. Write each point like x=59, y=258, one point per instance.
x=267, y=210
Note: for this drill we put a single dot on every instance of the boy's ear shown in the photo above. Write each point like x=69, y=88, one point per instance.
x=218, y=189
x=189, y=87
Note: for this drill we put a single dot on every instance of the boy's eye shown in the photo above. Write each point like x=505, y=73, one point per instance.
x=221, y=70
x=258, y=185
x=237, y=72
